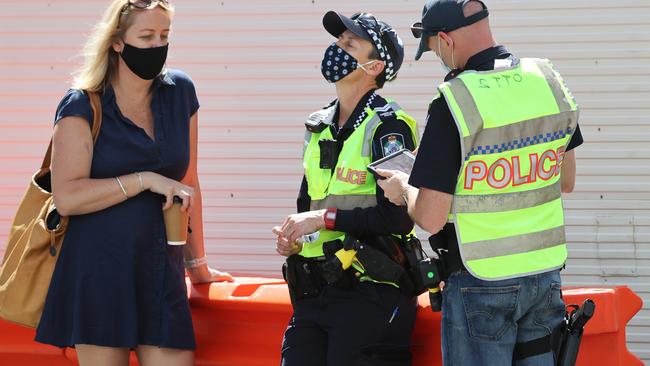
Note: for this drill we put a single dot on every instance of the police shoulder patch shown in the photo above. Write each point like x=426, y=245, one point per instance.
x=392, y=143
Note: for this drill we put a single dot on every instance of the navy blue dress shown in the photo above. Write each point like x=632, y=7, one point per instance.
x=117, y=283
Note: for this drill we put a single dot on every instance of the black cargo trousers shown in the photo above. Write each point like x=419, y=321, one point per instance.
x=367, y=324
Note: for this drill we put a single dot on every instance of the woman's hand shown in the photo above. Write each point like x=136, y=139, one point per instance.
x=283, y=246
x=297, y=225
x=205, y=274
x=169, y=188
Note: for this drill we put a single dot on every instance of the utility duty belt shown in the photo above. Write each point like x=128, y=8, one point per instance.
x=345, y=263
x=303, y=276
x=388, y=259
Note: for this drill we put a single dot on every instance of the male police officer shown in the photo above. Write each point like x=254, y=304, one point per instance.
x=358, y=316
x=495, y=156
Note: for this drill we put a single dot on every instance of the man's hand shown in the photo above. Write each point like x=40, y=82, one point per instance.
x=394, y=185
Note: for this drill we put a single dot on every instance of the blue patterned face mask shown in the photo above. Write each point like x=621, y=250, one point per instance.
x=338, y=64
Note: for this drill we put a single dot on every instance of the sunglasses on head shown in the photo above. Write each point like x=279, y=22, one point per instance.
x=142, y=4
x=368, y=20
x=417, y=29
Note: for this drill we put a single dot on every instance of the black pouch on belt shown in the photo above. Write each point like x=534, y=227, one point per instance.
x=378, y=265
x=332, y=269
x=303, y=277
x=390, y=245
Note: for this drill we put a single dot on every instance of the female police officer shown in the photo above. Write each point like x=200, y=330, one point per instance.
x=349, y=318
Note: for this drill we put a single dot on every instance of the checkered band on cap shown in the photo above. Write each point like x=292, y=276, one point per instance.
x=389, y=68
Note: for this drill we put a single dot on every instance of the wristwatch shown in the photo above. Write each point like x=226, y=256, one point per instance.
x=330, y=218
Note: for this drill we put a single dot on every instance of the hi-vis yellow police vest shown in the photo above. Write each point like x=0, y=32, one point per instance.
x=349, y=185
x=515, y=123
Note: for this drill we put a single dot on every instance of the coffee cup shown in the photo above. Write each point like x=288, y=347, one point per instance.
x=176, y=223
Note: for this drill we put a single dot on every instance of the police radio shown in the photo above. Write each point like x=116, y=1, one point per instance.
x=430, y=277
x=423, y=271
x=320, y=120
x=315, y=126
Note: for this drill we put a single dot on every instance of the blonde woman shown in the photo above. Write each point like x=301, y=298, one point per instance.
x=118, y=285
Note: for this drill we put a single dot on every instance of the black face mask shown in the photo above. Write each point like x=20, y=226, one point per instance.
x=145, y=62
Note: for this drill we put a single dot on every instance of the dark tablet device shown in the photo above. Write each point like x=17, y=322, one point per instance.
x=402, y=160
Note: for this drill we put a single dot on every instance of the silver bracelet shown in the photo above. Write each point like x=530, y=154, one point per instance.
x=193, y=263
x=119, y=182
x=405, y=196
x=140, y=180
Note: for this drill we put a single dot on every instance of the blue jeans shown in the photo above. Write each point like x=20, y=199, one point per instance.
x=482, y=320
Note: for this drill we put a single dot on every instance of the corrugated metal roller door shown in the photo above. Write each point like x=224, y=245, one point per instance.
x=256, y=66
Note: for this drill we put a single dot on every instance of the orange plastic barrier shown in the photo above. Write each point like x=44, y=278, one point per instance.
x=241, y=324
x=17, y=347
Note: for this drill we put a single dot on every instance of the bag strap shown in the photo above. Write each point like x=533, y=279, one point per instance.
x=96, y=105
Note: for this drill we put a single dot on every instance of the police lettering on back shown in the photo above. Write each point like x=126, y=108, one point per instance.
x=506, y=172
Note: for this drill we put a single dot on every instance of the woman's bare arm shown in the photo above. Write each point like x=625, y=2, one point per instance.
x=75, y=193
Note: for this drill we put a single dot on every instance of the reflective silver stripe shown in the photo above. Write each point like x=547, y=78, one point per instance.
x=345, y=202
x=463, y=147
x=367, y=140
x=514, y=245
x=307, y=141
x=470, y=111
x=506, y=201
x=512, y=134
x=552, y=80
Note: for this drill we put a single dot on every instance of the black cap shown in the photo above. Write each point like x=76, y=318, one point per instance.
x=380, y=34
x=443, y=16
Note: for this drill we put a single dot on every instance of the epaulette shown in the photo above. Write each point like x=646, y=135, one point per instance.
x=384, y=109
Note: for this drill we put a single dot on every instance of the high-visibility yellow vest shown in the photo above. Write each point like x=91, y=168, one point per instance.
x=349, y=185
x=514, y=123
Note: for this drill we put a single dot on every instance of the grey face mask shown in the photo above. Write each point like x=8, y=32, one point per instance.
x=446, y=69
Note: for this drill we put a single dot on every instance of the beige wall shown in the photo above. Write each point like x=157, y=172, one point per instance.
x=256, y=67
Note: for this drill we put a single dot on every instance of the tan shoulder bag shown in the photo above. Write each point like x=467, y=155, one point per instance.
x=32, y=249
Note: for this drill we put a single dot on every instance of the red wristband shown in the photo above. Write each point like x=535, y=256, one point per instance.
x=330, y=218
